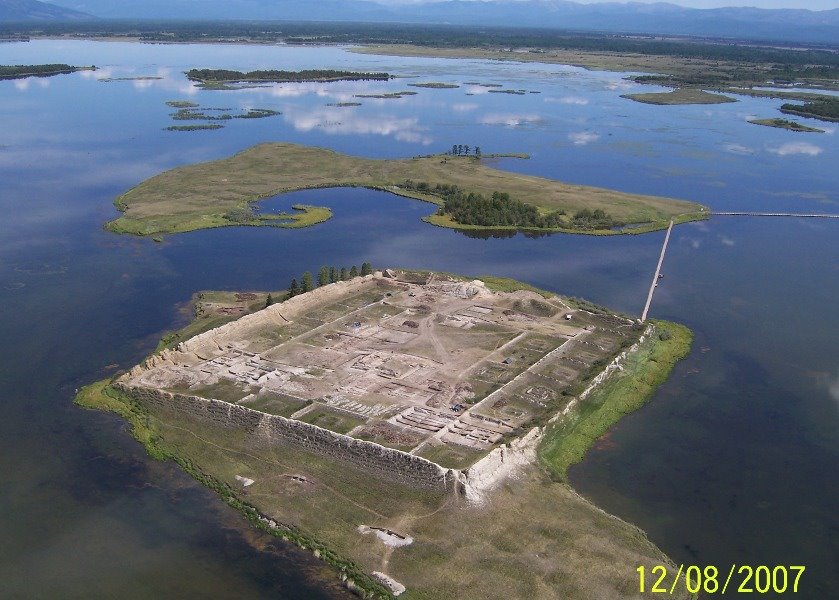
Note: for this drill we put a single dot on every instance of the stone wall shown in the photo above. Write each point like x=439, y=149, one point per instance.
x=370, y=457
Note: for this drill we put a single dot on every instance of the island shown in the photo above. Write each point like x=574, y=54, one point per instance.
x=204, y=195
x=785, y=124
x=23, y=71
x=680, y=96
x=412, y=429
x=216, y=77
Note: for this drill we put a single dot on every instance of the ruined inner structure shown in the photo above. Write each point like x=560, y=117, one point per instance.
x=425, y=364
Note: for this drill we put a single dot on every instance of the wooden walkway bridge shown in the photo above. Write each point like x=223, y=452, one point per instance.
x=657, y=273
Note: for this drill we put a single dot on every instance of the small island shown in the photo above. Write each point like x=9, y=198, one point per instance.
x=386, y=419
x=214, y=77
x=435, y=85
x=786, y=124
x=680, y=96
x=23, y=71
x=205, y=195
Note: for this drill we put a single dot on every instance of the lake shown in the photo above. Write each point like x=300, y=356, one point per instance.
x=733, y=461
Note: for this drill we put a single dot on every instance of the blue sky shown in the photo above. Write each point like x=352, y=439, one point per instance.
x=811, y=4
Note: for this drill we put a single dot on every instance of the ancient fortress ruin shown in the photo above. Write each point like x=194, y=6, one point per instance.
x=423, y=379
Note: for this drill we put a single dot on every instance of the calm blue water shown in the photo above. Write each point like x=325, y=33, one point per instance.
x=733, y=461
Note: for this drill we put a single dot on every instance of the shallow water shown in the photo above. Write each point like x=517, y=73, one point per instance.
x=733, y=461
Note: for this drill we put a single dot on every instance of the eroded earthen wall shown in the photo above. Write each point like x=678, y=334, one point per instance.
x=370, y=457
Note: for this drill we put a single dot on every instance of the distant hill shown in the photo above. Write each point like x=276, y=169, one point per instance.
x=659, y=18
x=32, y=10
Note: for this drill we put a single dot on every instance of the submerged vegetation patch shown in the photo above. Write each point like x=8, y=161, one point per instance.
x=435, y=85
x=208, y=126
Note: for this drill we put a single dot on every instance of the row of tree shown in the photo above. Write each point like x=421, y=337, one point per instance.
x=826, y=109
x=497, y=211
x=463, y=150
x=500, y=210
x=326, y=275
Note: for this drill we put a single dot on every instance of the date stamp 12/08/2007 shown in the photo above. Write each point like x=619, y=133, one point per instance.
x=742, y=579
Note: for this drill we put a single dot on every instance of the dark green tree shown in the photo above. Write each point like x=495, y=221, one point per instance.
x=454, y=149
x=344, y=275
x=323, y=276
x=333, y=274
x=460, y=148
x=466, y=149
x=366, y=268
x=478, y=151
x=353, y=272
x=269, y=300
x=293, y=288
x=306, y=283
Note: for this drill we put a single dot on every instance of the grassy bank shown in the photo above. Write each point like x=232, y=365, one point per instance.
x=567, y=441
x=680, y=96
x=146, y=429
x=205, y=195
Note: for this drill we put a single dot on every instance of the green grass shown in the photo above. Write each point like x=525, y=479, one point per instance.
x=566, y=442
x=786, y=124
x=199, y=196
x=680, y=96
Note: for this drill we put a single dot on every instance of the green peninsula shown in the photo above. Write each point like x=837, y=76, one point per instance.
x=23, y=71
x=202, y=195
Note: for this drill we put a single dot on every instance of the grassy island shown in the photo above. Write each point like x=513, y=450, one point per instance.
x=23, y=71
x=680, y=96
x=786, y=124
x=528, y=536
x=222, y=76
x=435, y=85
x=199, y=196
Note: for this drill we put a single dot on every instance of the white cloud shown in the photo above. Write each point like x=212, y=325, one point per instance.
x=726, y=241
x=738, y=149
x=581, y=138
x=510, y=120
x=24, y=84
x=578, y=100
x=793, y=148
x=833, y=387
x=464, y=107
x=338, y=121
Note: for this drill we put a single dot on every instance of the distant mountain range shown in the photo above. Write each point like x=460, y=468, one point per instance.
x=633, y=17
x=32, y=10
